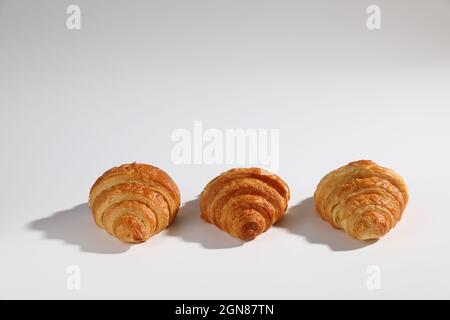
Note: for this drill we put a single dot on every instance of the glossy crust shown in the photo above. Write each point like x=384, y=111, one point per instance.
x=134, y=201
x=244, y=202
x=362, y=198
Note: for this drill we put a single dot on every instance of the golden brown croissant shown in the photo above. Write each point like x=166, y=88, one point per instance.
x=363, y=198
x=134, y=201
x=244, y=202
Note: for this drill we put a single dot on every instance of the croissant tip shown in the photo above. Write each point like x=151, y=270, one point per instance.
x=368, y=236
x=361, y=162
x=129, y=229
x=250, y=231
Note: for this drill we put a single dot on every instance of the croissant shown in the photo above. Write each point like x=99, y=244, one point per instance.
x=244, y=202
x=362, y=198
x=135, y=201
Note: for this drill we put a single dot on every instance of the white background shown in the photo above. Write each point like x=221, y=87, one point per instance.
x=75, y=103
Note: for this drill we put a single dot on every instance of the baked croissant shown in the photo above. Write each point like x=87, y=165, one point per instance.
x=244, y=202
x=362, y=198
x=134, y=201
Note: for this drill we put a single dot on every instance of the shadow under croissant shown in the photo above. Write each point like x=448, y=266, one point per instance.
x=191, y=228
x=302, y=220
x=76, y=226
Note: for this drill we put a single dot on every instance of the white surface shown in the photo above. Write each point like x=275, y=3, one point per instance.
x=75, y=103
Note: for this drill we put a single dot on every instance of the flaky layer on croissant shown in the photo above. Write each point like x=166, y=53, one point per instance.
x=362, y=198
x=244, y=202
x=134, y=201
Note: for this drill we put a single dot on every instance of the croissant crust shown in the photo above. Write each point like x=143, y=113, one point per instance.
x=362, y=198
x=244, y=201
x=134, y=201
